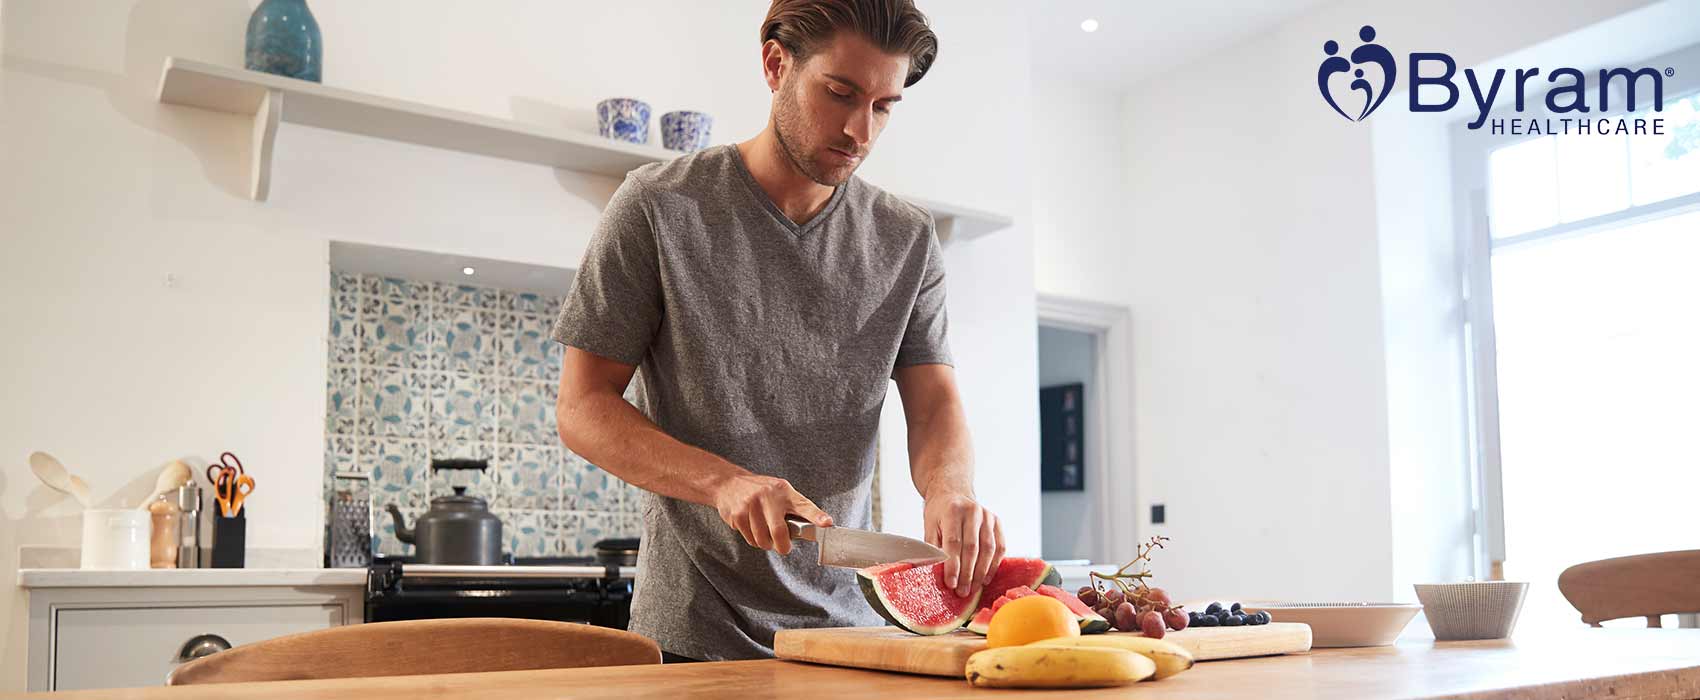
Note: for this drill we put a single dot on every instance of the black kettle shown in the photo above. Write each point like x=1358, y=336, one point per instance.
x=458, y=529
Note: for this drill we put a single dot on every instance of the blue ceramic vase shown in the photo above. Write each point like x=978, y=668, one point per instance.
x=623, y=119
x=685, y=130
x=283, y=39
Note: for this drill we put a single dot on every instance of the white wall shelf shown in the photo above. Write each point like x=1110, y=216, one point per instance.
x=270, y=99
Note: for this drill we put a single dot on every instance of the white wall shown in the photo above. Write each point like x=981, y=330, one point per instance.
x=1081, y=233
x=1297, y=370
x=1068, y=518
x=104, y=193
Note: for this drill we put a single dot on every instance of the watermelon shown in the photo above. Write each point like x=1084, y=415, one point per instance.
x=1020, y=571
x=916, y=598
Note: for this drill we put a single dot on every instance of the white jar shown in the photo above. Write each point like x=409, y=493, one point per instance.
x=116, y=538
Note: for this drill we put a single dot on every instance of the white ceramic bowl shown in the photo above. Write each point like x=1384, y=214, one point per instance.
x=1474, y=610
x=1344, y=624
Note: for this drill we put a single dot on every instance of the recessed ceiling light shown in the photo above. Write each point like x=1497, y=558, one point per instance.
x=467, y=271
x=1090, y=25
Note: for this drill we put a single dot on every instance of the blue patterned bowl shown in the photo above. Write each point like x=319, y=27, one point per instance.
x=685, y=130
x=624, y=119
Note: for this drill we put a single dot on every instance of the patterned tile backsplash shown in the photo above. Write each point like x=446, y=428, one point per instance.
x=427, y=370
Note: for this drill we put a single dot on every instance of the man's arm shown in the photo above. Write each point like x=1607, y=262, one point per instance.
x=596, y=423
x=941, y=461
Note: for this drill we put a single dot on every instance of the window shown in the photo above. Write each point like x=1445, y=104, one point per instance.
x=1587, y=357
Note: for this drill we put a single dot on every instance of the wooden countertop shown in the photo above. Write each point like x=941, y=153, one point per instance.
x=1626, y=663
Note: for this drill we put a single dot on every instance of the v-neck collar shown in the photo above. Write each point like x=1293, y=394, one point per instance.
x=766, y=202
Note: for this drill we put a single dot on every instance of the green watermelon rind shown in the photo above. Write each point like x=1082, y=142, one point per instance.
x=878, y=601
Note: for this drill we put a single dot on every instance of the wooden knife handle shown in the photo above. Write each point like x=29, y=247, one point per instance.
x=799, y=528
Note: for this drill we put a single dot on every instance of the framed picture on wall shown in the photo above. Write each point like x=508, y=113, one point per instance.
x=1062, y=438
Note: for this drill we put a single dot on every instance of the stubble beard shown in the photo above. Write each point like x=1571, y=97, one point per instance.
x=787, y=123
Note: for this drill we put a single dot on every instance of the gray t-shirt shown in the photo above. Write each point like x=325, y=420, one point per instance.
x=766, y=343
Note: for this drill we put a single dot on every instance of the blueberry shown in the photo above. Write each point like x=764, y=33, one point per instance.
x=1263, y=617
x=1214, y=608
x=1206, y=621
x=1234, y=608
x=1234, y=621
x=1222, y=617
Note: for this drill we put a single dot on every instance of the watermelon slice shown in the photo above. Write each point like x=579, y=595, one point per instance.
x=1020, y=571
x=916, y=598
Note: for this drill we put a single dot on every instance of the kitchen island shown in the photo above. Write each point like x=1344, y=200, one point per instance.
x=1627, y=663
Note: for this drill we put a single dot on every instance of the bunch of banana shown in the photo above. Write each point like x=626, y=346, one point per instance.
x=1094, y=661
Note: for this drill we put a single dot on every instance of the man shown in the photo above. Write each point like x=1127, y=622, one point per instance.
x=767, y=295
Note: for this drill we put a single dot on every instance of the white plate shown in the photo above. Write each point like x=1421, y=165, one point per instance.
x=1344, y=624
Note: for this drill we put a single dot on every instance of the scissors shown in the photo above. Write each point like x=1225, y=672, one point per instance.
x=231, y=484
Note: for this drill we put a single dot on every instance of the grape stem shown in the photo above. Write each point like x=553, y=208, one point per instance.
x=1132, y=584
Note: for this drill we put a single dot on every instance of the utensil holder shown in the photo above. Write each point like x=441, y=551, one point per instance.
x=116, y=538
x=230, y=540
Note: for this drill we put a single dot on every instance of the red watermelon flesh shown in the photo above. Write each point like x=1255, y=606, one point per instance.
x=1012, y=594
x=982, y=620
x=1019, y=571
x=916, y=598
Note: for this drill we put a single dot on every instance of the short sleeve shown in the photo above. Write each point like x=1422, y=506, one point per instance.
x=924, y=340
x=615, y=305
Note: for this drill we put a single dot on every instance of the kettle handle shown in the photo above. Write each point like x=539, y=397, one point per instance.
x=460, y=463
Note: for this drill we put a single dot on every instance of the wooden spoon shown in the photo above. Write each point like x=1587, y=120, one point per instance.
x=51, y=472
x=172, y=476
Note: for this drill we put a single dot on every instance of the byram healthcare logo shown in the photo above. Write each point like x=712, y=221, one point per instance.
x=1368, y=54
x=1355, y=84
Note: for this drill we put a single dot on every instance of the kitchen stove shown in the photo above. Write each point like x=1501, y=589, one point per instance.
x=568, y=589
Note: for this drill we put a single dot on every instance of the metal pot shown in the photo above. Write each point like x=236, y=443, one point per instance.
x=619, y=552
x=458, y=529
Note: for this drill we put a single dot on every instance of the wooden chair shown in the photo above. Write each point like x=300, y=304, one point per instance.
x=415, y=647
x=1644, y=585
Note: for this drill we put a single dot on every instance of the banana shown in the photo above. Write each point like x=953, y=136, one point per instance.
x=1033, y=666
x=1169, y=657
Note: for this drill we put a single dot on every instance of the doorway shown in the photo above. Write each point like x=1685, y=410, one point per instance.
x=1086, y=466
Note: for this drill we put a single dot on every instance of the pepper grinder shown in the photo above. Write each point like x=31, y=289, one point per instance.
x=189, y=526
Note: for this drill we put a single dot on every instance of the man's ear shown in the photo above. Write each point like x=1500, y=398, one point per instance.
x=775, y=61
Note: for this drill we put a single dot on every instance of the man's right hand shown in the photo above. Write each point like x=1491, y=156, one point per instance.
x=756, y=507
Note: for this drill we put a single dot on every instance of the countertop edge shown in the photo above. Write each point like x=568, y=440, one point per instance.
x=188, y=578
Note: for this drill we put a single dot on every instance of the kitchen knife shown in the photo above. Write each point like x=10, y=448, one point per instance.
x=859, y=549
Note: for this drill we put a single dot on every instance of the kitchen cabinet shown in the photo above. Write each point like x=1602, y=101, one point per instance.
x=113, y=636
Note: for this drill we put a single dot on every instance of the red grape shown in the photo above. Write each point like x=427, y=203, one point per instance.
x=1158, y=596
x=1125, y=618
x=1151, y=624
x=1175, y=619
x=1088, y=596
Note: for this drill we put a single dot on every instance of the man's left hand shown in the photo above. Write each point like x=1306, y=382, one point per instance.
x=970, y=535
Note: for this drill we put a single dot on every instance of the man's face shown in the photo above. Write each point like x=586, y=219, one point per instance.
x=829, y=110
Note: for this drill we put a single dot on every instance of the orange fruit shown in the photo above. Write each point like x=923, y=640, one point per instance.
x=1030, y=619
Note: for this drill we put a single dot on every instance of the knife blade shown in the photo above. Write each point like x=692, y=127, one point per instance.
x=858, y=549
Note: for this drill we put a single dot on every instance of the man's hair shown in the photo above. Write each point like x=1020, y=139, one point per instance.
x=895, y=26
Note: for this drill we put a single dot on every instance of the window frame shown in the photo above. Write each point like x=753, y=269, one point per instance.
x=1470, y=152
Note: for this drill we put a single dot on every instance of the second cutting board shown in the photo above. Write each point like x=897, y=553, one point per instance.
x=892, y=649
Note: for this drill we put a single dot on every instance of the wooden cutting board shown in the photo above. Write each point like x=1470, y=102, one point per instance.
x=892, y=649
